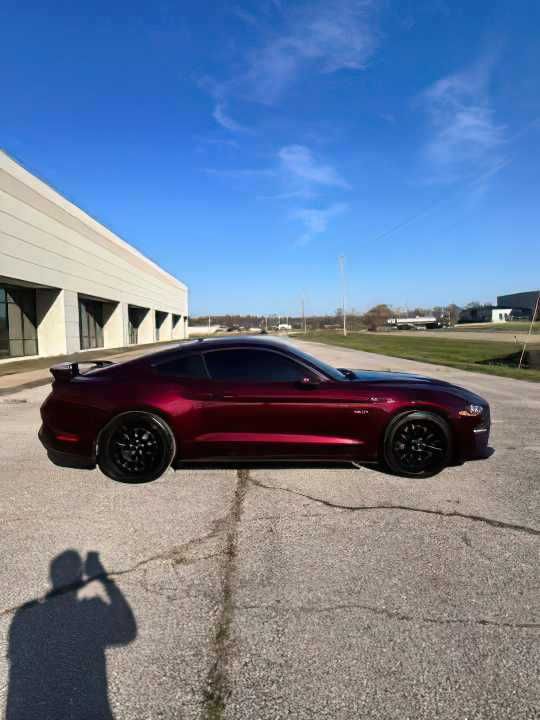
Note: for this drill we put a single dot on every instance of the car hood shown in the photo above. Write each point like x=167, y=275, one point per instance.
x=410, y=379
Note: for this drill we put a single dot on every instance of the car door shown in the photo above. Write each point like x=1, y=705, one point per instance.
x=184, y=389
x=268, y=405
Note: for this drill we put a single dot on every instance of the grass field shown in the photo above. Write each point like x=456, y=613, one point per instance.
x=463, y=354
x=508, y=327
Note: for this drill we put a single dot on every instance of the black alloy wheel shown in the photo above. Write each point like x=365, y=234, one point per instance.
x=417, y=444
x=135, y=447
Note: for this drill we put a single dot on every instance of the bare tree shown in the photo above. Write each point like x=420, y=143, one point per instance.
x=377, y=316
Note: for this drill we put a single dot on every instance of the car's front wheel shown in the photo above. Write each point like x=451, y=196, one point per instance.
x=135, y=447
x=417, y=444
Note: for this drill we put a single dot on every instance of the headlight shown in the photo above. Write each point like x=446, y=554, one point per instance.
x=472, y=411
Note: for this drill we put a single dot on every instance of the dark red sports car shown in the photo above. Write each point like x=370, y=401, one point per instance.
x=252, y=399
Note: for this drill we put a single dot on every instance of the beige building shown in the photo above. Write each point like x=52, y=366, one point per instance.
x=67, y=283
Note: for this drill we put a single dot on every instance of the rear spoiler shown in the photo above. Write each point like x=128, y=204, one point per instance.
x=66, y=371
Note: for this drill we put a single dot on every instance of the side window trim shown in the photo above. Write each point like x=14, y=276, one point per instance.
x=294, y=361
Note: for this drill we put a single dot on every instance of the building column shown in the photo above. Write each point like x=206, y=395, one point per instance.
x=115, y=325
x=179, y=330
x=58, y=321
x=147, y=328
x=166, y=329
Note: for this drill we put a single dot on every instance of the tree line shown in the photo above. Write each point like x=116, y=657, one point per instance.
x=376, y=316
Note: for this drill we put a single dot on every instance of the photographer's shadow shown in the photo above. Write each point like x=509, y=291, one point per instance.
x=58, y=667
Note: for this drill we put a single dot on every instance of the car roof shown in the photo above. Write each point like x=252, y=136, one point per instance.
x=199, y=345
x=248, y=340
x=205, y=344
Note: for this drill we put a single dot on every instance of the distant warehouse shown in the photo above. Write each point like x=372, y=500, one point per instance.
x=67, y=283
x=517, y=306
x=525, y=301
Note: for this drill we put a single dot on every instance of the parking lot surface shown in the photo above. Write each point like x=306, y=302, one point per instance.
x=253, y=592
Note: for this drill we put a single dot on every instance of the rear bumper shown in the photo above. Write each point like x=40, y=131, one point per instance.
x=64, y=454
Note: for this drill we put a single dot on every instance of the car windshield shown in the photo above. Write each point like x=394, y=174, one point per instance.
x=324, y=367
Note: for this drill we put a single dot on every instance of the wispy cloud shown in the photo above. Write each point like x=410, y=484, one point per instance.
x=221, y=116
x=296, y=175
x=316, y=220
x=240, y=172
x=205, y=142
x=298, y=161
x=245, y=16
x=297, y=170
x=289, y=195
x=324, y=36
x=321, y=37
x=465, y=133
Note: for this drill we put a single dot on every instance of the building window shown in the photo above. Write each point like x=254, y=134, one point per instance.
x=159, y=320
x=18, y=327
x=4, y=329
x=90, y=323
x=133, y=333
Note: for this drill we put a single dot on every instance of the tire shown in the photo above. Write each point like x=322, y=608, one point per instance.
x=417, y=444
x=135, y=447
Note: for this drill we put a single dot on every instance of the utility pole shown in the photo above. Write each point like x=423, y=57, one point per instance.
x=342, y=271
x=209, y=322
x=533, y=318
x=303, y=317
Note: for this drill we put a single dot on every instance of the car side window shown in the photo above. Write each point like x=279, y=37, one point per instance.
x=188, y=367
x=253, y=366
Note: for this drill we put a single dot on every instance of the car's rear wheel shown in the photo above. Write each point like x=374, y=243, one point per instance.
x=135, y=447
x=417, y=444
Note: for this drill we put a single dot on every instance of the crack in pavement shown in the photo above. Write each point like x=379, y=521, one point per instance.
x=177, y=555
x=217, y=689
x=394, y=615
x=405, y=508
x=285, y=516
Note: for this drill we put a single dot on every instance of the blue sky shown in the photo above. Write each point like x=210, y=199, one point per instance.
x=245, y=145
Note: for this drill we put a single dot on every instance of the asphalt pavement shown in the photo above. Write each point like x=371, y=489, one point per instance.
x=299, y=592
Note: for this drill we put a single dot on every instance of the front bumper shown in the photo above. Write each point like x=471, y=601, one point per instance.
x=64, y=454
x=474, y=437
x=479, y=445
